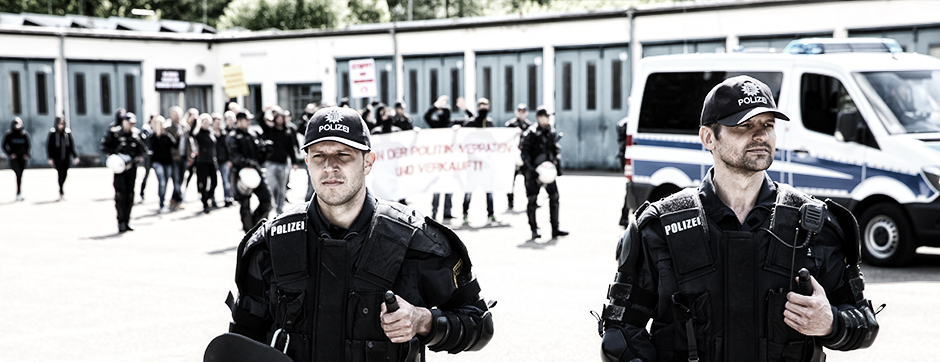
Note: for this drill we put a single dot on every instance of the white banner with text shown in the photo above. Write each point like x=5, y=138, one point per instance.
x=443, y=160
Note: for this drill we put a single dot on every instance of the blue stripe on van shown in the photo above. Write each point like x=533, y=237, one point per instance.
x=668, y=144
x=915, y=182
x=646, y=168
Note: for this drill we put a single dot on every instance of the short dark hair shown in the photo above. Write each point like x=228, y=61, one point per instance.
x=241, y=115
x=715, y=127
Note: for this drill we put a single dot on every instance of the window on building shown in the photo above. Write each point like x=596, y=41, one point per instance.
x=454, y=87
x=198, y=97
x=566, y=86
x=509, y=90
x=591, y=86
x=106, y=94
x=16, y=99
x=80, y=94
x=672, y=102
x=433, y=85
x=616, y=100
x=42, y=106
x=294, y=97
x=413, y=90
x=533, y=86
x=253, y=99
x=487, y=83
x=130, y=93
x=383, y=78
x=346, y=85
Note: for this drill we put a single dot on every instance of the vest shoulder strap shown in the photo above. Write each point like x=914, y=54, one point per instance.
x=686, y=229
x=287, y=235
x=389, y=238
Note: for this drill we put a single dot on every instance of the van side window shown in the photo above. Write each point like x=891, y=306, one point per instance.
x=821, y=99
x=672, y=102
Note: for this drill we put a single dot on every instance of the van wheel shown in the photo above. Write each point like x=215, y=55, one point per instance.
x=887, y=239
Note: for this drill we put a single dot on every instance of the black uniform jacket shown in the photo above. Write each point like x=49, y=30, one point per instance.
x=245, y=149
x=127, y=143
x=60, y=146
x=538, y=144
x=430, y=272
x=658, y=280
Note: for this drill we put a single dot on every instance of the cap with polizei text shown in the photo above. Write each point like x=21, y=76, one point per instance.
x=736, y=100
x=343, y=125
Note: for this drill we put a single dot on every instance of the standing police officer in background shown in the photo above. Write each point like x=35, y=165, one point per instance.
x=124, y=139
x=247, y=152
x=522, y=123
x=539, y=144
x=715, y=266
x=312, y=281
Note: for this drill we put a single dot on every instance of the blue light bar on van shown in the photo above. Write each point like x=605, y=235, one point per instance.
x=843, y=45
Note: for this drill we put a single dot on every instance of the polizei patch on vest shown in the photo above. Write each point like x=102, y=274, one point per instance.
x=287, y=228
x=683, y=225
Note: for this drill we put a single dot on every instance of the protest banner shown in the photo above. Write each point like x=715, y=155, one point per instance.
x=443, y=160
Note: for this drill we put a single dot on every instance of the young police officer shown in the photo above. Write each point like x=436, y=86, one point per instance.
x=539, y=144
x=311, y=281
x=247, y=151
x=713, y=266
x=124, y=139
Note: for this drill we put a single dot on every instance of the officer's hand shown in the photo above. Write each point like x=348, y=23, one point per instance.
x=51, y=163
x=12, y=156
x=25, y=157
x=402, y=325
x=75, y=161
x=809, y=315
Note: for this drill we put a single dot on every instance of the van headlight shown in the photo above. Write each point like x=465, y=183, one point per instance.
x=932, y=174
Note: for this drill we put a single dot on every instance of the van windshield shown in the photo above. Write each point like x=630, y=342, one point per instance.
x=908, y=101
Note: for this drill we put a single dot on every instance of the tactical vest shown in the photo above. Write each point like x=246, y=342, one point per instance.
x=330, y=312
x=727, y=289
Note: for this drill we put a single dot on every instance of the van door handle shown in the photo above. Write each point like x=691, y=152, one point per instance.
x=801, y=153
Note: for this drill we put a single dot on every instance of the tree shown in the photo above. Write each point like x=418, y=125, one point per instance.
x=302, y=14
x=183, y=10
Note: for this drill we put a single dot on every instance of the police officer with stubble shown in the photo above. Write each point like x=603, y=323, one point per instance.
x=312, y=281
x=125, y=139
x=715, y=267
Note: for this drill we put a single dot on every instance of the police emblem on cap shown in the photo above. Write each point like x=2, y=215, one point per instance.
x=334, y=116
x=750, y=89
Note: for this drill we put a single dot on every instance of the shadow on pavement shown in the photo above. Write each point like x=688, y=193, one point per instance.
x=533, y=244
x=56, y=201
x=487, y=226
x=924, y=268
x=104, y=237
x=223, y=251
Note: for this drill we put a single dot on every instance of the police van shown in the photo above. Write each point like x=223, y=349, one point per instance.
x=864, y=131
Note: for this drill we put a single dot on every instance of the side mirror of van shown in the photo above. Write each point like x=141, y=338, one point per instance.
x=851, y=127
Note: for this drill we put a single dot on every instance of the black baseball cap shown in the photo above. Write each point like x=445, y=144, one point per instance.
x=343, y=125
x=736, y=100
x=542, y=111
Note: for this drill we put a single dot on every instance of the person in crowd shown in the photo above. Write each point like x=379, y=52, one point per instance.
x=206, y=169
x=522, y=123
x=282, y=145
x=60, y=150
x=246, y=150
x=540, y=144
x=124, y=140
x=145, y=132
x=438, y=116
x=180, y=154
x=305, y=118
x=162, y=143
x=221, y=129
x=330, y=306
x=16, y=145
x=401, y=119
x=480, y=120
x=189, y=120
x=384, y=122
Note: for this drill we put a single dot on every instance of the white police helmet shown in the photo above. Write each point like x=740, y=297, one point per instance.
x=547, y=172
x=248, y=180
x=118, y=163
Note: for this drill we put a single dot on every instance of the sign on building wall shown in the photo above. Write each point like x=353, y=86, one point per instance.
x=234, y=81
x=362, y=78
x=170, y=79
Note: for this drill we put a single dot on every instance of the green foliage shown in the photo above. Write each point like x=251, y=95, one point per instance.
x=184, y=10
x=302, y=14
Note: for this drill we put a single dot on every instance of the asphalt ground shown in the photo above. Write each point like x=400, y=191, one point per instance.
x=73, y=289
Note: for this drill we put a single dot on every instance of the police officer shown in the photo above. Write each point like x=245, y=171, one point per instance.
x=521, y=122
x=125, y=139
x=401, y=119
x=311, y=282
x=715, y=266
x=247, y=150
x=540, y=144
x=438, y=116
